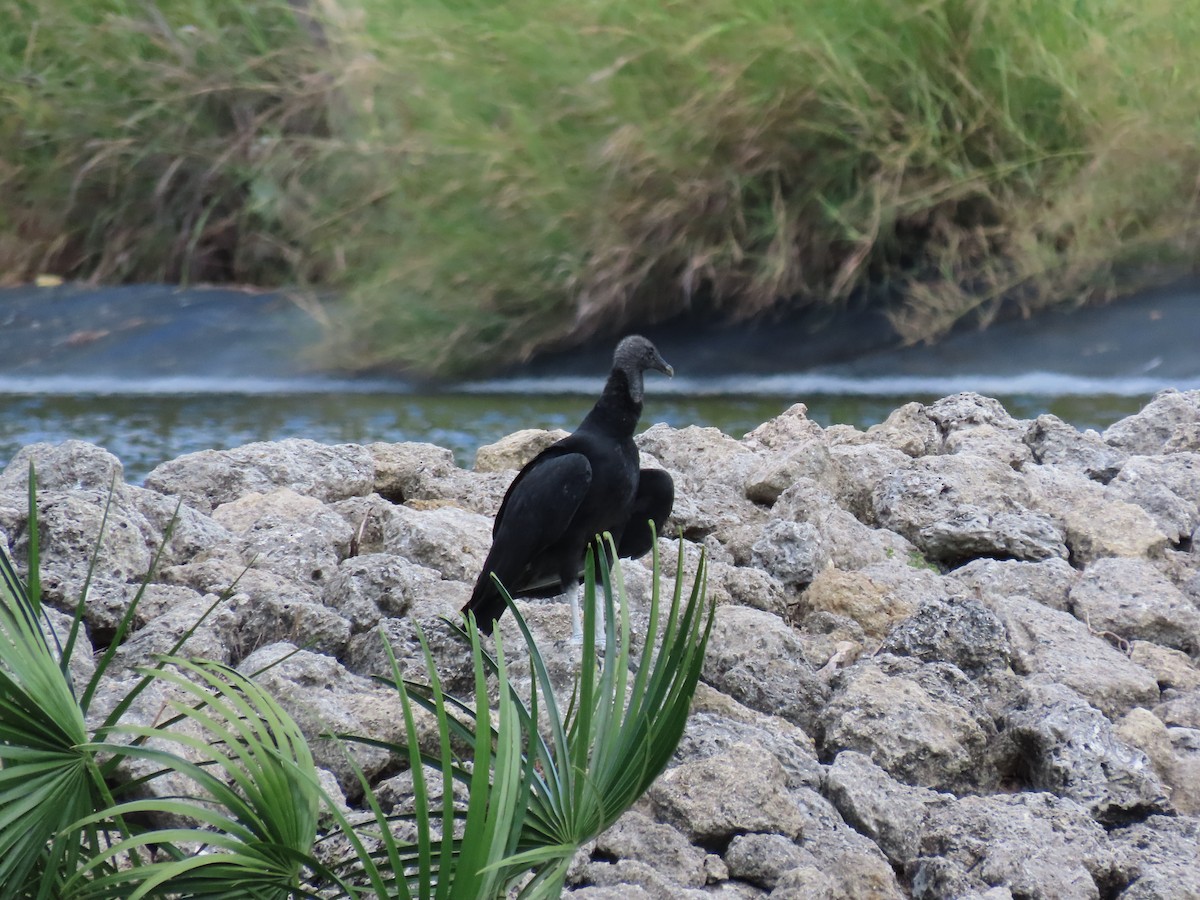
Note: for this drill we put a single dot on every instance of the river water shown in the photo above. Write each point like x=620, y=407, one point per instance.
x=151, y=373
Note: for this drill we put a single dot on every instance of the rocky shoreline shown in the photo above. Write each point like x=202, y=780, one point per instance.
x=955, y=655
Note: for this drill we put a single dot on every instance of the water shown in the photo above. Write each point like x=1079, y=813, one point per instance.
x=153, y=371
x=144, y=430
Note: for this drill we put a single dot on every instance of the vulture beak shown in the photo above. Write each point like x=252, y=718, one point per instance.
x=663, y=366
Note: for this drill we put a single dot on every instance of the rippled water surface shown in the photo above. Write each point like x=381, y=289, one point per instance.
x=146, y=430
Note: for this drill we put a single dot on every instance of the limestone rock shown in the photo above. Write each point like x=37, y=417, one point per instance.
x=921, y=733
x=1036, y=845
x=718, y=722
x=992, y=580
x=322, y=696
x=451, y=541
x=1058, y=646
x=69, y=466
x=850, y=544
x=1157, y=858
x=956, y=508
x=1129, y=598
x=1055, y=443
x=1069, y=749
x=908, y=429
x=1094, y=521
x=860, y=469
x=733, y=793
x=780, y=470
x=1171, y=668
x=791, y=552
x=757, y=659
x=208, y=478
x=962, y=632
x=1148, y=431
x=637, y=837
x=789, y=428
x=762, y=859
x=515, y=450
x=877, y=597
x=1167, y=487
x=366, y=588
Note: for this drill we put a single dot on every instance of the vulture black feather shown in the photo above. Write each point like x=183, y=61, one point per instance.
x=584, y=485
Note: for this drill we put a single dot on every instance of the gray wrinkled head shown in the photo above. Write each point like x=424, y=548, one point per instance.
x=633, y=356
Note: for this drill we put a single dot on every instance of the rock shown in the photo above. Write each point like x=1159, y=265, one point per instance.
x=192, y=534
x=629, y=875
x=910, y=430
x=1148, y=431
x=322, y=696
x=711, y=800
x=367, y=588
x=285, y=532
x=1171, y=668
x=876, y=805
x=1180, y=772
x=1055, y=443
x=269, y=610
x=1069, y=749
x=453, y=542
x=179, y=611
x=1130, y=599
x=850, y=860
x=831, y=641
x=789, y=428
x=513, y=451
x=956, y=508
x=963, y=632
x=1184, y=438
x=791, y=552
x=1059, y=647
x=757, y=659
x=920, y=731
x=877, y=597
x=71, y=525
x=860, y=469
x=1095, y=523
x=849, y=543
x=1167, y=487
x=425, y=475
x=432, y=611
x=1180, y=708
x=1004, y=445
x=69, y=466
x=619, y=891
x=749, y=587
x=710, y=471
x=206, y=479
x=762, y=859
x=1157, y=858
x=780, y=470
x=992, y=581
x=806, y=882
x=635, y=836
x=717, y=723
x=1036, y=845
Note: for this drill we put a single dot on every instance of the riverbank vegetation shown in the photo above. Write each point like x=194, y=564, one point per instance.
x=478, y=181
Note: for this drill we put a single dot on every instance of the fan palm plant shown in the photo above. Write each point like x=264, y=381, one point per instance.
x=247, y=823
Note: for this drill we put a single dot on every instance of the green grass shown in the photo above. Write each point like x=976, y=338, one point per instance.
x=482, y=180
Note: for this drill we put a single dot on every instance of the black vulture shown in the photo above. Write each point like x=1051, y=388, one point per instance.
x=582, y=486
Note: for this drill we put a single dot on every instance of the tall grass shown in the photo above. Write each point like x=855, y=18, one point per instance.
x=486, y=179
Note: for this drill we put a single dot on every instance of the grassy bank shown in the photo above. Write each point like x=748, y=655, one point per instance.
x=480, y=180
